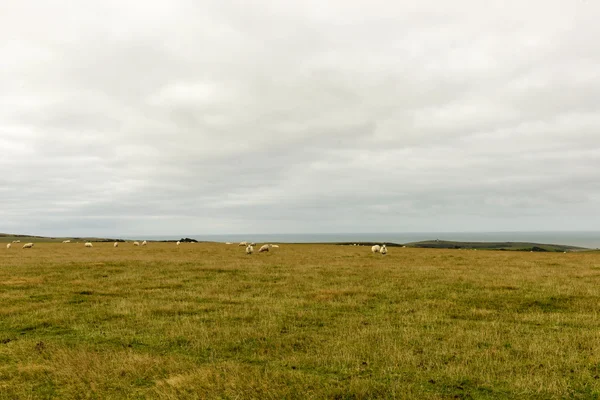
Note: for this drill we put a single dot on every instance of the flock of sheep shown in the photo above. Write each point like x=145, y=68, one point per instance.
x=263, y=248
x=379, y=249
x=249, y=246
x=87, y=244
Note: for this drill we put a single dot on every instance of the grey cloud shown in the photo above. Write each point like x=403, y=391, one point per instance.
x=214, y=117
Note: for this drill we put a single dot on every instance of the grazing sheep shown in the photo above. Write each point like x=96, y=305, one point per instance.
x=16, y=241
x=8, y=245
x=178, y=243
x=275, y=246
x=88, y=244
x=136, y=243
x=252, y=244
x=227, y=242
x=144, y=243
x=243, y=244
x=28, y=245
x=249, y=249
x=66, y=241
x=116, y=244
x=375, y=249
x=383, y=250
x=263, y=248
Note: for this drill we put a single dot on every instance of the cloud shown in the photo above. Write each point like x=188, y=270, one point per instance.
x=213, y=117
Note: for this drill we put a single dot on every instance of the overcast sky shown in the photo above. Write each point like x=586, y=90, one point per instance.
x=122, y=117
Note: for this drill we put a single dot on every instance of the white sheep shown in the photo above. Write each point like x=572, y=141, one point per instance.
x=275, y=246
x=66, y=241
x=243, y=244
x=375, y=249
x=263, y=248
x=88, y=244
x=383, y=250
x=178, y=243
x=136, y=243
x=227, y=242
x=116, y=244
x=144, y=243
x=8, y=245
x=249, y=249
x=28, y=245
x=16, y=241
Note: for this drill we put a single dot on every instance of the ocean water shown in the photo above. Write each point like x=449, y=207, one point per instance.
x=588, y=239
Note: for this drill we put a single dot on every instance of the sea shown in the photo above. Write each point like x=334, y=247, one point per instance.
x=587, y=239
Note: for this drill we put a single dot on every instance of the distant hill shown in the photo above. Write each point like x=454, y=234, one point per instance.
x=446, y=244
x=514, y=246
x=7, y=237
x=12, y=236
x=426, y=244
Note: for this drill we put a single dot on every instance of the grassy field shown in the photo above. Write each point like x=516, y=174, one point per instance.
x=305, y=321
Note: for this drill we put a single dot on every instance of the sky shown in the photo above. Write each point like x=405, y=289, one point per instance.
x=122, y=117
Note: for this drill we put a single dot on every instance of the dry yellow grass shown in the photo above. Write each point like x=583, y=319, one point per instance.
x=302, y=321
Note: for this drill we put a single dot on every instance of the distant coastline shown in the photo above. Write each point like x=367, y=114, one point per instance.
x=586, y=239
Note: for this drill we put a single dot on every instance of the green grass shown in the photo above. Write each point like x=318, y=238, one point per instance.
x=304, y=321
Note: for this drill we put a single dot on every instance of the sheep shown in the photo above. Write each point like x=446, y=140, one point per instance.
x=28, y=245
x=243, y=244
x=116, y=244
x=16, y=241
x=136, y=243
x=249, y=249
x=375, y=249
x=144, y=243
x=88, y=244
x=178, y=243
x=383, y=250
x=8, y=245
x=275, y=246
x=252, y=244
x=66, y=241
x=263, y=248
x=227, y=242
